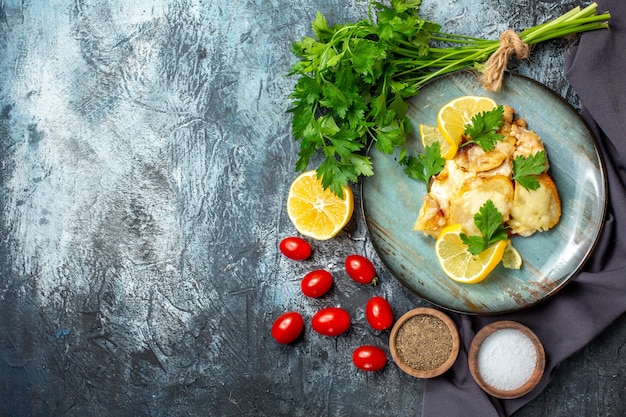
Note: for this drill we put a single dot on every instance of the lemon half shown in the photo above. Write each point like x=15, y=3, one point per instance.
x=316, y=212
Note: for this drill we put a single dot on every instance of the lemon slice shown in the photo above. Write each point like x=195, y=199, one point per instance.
x=316, y=212
x=454, y=115
x=511, y=258
x=458, y=263
x=431, y=134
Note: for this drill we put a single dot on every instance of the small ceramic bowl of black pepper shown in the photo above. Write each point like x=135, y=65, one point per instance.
x=506, y=359
x=424, y=342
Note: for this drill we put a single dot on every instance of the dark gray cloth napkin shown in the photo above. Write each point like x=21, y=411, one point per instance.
x=596, y=69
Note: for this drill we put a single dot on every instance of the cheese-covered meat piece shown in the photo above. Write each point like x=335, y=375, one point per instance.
x=474, y=194
x=473, y=158
x=444, y=187
x=474, y=176
x=535, y=210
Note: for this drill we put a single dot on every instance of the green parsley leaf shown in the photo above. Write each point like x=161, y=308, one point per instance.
x=362, y=164
x=393, y=134
x=399, y=106
x=335, y=175
x=483, y=128
x=425, y=165
x=320, y=27
x=403, y=5
x=525, y=170
x=364, y=55
x=489, y=222
x=344, y=143
x=335, y=99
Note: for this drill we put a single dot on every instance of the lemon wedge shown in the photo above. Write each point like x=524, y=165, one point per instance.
x=511, y=258
x=431, y=134
x=454, y=115
x=458, y=263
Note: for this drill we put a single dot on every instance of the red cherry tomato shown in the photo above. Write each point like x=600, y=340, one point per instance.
x=378, y=313
x=295, y=248
x=369, y=358
x=331, y=321
x=361, y=269
x=316, y=283
x=287, y=327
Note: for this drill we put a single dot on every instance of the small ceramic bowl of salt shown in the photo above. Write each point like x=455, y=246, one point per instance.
x=506, y=359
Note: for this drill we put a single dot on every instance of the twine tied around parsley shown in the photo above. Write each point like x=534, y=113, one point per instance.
x=510, y=45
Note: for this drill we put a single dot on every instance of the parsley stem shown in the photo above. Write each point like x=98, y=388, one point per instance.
x=471, y=51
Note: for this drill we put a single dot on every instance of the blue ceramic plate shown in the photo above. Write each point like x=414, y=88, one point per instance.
x=391, y=202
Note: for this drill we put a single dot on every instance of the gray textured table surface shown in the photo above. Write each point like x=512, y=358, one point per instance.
x=146, y=157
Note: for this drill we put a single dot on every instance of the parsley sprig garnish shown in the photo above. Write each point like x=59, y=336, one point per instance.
x=489, y=222
x=354, y=78
x=526, y=169
x=483, y=128
x=425, y=165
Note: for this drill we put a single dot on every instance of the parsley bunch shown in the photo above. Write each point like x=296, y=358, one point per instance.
x=354, y=79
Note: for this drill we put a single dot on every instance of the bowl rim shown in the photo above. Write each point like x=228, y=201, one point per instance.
x=421, y=373
x=476, y=344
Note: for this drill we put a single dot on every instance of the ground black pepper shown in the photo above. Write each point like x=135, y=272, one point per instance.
x=424, y=342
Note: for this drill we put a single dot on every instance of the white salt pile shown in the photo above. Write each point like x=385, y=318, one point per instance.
x=506, y=359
